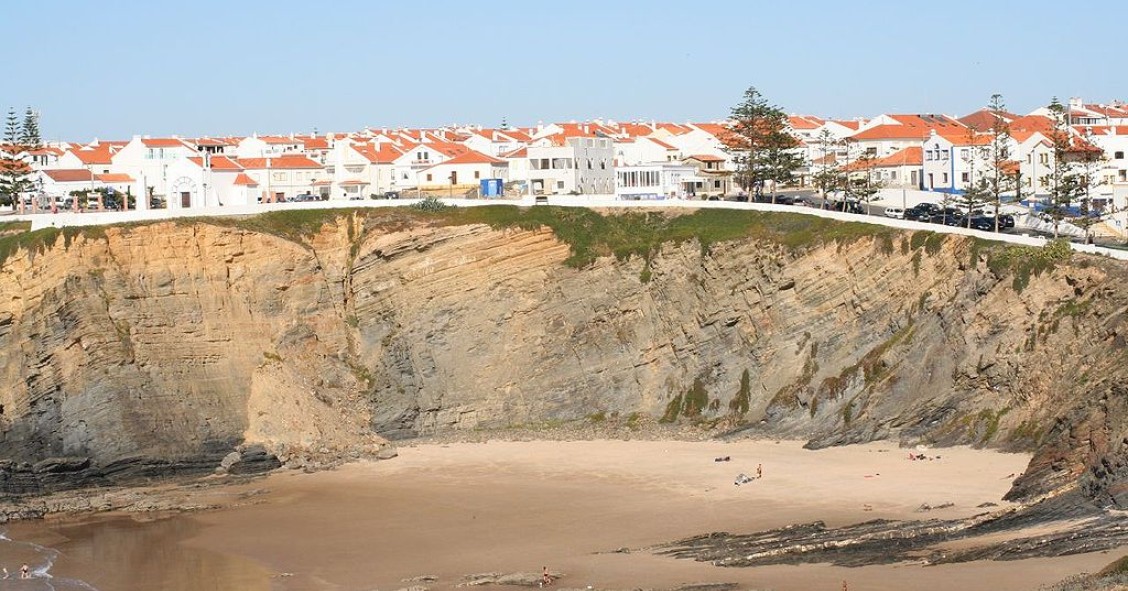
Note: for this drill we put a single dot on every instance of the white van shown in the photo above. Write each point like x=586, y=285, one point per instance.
x=894, y=212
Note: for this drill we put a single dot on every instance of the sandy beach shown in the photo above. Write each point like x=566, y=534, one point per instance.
x=446, y=511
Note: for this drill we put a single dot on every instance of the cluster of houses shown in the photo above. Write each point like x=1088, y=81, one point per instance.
x=637, y=160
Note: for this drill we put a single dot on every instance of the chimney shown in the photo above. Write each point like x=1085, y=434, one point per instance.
x=1075, y=102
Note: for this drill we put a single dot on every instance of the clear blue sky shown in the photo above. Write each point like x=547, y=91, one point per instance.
x=112, y=69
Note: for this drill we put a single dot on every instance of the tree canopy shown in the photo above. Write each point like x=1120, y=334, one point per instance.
x=761, y=145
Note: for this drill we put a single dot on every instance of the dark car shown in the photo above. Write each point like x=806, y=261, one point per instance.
x=1006, y=221
x=391, y=195
x=979, y=222
x=922, y=211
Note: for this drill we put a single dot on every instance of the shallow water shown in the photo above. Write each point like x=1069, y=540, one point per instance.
x=120, y=554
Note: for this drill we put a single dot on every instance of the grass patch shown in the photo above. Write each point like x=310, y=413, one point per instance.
x=1023, y=262
x=295, y=225
x=591, y=234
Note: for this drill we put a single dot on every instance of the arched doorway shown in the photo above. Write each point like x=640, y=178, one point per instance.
x=182, y=192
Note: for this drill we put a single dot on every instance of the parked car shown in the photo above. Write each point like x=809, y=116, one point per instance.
x=894, y=212
x=391, y=195
x=1006, y=221
x=979, y=222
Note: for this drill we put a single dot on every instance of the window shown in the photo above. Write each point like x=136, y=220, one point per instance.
x=1044, y=158
x=428, y=177
x=278, y=177
x=477, y=174
x=944, y=178
x=965, y=177
x=559, y=184
x=928, y=155
x=963, y=154
x=1118, y=155
x=944, y=155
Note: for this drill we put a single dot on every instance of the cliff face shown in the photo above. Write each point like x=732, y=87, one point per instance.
x=172, y=344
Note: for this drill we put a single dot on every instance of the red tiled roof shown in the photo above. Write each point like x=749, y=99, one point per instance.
x=911, y=156
x=278, y=139
x=518, y=153
x=69, y=175
x=245, y=181
x=354, y=183
x=705, y=158
x=288, y=161
x=102, y=154
x=985, y=119
x=471, y=157
x=217, y=163
x=804, y=122
x=316, y=143
x=383, y=153
x=114, y=177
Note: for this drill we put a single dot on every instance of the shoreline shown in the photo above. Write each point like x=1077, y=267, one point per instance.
x=593, y=511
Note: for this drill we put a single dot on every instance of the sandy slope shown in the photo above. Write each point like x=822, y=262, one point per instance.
x=452, y=510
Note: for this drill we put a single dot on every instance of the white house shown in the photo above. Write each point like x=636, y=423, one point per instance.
x=559, y=165
x=712, y=177
x=953, y=164
x=149, y=158
x=632, y=151
x=209, y=181
x=282, y=177
x=462, y=172
x=418, y=156
x=265, y=146
x=494, y=142
x=656, y=180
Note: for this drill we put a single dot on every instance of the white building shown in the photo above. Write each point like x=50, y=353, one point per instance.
x=209, y=181
x=150, y=158
x=656, y=180
x=283, y=177
x=465, y=171
x=560, y=165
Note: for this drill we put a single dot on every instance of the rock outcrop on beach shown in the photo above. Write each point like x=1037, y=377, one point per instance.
x=140, y=351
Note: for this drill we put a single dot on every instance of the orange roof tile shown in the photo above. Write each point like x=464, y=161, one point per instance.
x=102, y=154
x=114, y=177
x=471, y=157
x=244, y=180
x=382, y=153
x=217, y=163
x=69, y=175
x=288, y=161
x=705, y=158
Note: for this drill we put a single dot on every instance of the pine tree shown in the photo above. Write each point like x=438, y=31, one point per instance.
x=14, y=174
x=29, y=133
x=762, y=148
x=1066, y=186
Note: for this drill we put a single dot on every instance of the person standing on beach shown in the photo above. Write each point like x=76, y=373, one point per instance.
x=546, y=579
x=25, y=571
x=759, y=471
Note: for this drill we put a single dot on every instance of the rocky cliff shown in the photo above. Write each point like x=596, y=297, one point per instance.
x=138, y=350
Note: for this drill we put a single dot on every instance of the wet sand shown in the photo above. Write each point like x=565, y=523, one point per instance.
x=452, y=510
